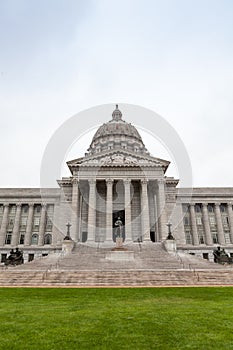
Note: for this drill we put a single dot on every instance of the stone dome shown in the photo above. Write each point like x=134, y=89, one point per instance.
x=117, y=134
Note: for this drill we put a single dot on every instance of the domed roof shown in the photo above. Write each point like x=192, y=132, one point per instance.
x=118, y=133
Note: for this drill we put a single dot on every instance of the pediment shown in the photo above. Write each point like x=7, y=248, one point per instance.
x=116, y=158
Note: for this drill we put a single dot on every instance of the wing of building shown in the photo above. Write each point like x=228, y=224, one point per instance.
x=117, y=179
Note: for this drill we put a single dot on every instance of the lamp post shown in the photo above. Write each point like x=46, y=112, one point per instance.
x=169, y=231
x=67, y=237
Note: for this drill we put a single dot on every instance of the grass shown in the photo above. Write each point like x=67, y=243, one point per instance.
x=121, y=318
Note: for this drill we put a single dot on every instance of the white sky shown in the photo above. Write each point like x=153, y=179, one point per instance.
x=58, y=57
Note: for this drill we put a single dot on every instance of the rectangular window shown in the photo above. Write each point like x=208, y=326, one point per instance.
x=212, y=220
x=49, y=224
x=225, y=220
x=50, y=208
x=210, y=208
x=8, y=238
x=12, y=209
x=205, y=256
x=30, y=257
x=186, y=220
x=215, y=237
x=199, y=220
x=201, y=239
x=188, y=237
x=36, y=223
x=11, y=222
x=223, y=208
x=3, y=257
x=23, y=222
x=227, y=237
x=37, y=208
x=197, y=208
x=25, y=209
x=21, y=239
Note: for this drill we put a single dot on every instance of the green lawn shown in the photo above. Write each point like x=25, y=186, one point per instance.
x=140, y=318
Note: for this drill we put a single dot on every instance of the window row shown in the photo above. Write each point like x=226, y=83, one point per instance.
x=210, y=207
x=212, y=220
x=34, y=239
x=201, y=237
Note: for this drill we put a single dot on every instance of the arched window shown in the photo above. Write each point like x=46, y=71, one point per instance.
x=48, y=239
x=35, y=238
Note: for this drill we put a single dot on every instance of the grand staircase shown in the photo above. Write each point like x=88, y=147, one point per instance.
x=87, y=266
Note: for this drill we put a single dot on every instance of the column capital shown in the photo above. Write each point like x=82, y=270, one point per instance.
x=229, y=204
x=75, y=180
x=92, y=181
x=217, y=204
x=44, y=205
x=144, y=181
x=31, y=204
x=127, y=181
x=160, y=181
x=109, y=181
x=18, y=204
x=192, y=205
x=6, y=205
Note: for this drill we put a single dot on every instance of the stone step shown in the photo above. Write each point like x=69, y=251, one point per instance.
x=116, y=278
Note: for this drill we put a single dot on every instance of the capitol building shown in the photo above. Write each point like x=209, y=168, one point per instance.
x=116, y=179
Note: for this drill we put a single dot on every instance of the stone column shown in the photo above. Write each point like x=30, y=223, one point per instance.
x=128, y=233
x=15, y=233
x=145, y=211
x=230, y=218
x=162, y=216
x=42, y=225
x=221, y=237
x=75, y=201
x=194, y=224
x=4, y=224
x=156, y=219
x=109, y=183
x=91, y=227
x=29, y=224
x=206, y=223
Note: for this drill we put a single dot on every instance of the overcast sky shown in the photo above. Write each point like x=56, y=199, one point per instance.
x=59, y=57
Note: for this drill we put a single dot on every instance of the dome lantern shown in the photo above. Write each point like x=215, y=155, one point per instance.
x=116, y=115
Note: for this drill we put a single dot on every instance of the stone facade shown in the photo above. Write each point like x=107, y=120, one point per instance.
x=117, y=178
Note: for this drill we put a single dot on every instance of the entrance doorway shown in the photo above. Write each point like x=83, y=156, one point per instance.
x=115, y=215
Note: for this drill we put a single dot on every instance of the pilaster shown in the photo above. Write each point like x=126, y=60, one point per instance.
x=29, y=224
x=42, y=225
x=75, y=203
x=128, y=232
x=221, y=237
x=206, y=223
x=145, y=211
x=109, y=207
x=4, y=224
x=15, y=233
x=92, y=210
x=194, y=224
x=230, y=216
x=162, y=216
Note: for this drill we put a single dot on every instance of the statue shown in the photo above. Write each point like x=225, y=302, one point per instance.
x=15, y=258
x=119, y=225
x=221, y=257
x=119, y=233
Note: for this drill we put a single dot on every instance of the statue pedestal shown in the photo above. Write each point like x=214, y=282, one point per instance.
x=119, y=255
x=119, y=242
x=67, y=246
x=170, y=245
